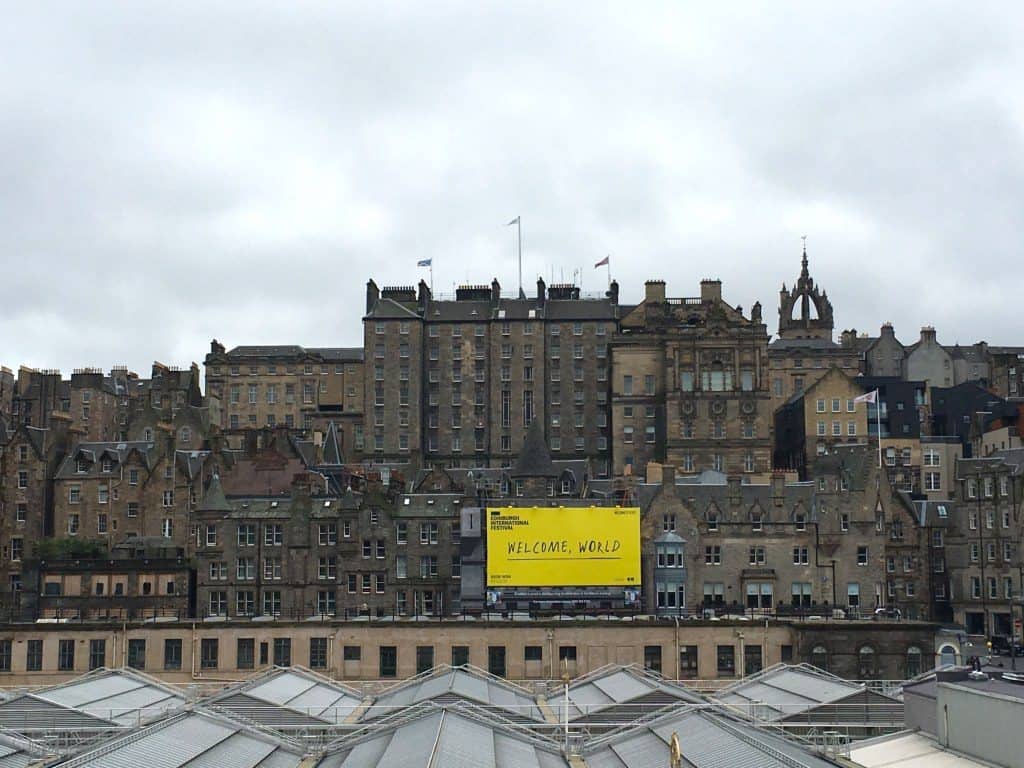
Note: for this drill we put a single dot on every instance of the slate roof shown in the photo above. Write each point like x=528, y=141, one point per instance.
x=447, y=684
x=194, y=739
x=389, y=309
x=706, y=740
x=534, y=458
x=214, y=499
x=289, y=699
x=266, y=350
x=852, y=461
x=446, y=737
x=338, y=354
x=191, y=463
x=927, y=513
x=579, y=309
x=332, y=446
x=94, y=452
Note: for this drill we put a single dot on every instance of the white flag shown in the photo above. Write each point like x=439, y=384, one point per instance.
x=867, y=397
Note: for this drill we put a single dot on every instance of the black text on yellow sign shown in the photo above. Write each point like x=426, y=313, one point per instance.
x=563, y=546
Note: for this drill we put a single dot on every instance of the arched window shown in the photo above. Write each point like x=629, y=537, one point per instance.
x=819, y=657
x=866, y=662
x=947, y=655
x=913, y=662
x=185, y=435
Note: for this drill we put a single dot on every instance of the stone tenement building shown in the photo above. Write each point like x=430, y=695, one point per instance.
x=458, y=382
x=287, y=385
x=815, y=420
x=690, y=385
x=803, y=349
x=785, y=547
x=1007, y=371
x=986, y=578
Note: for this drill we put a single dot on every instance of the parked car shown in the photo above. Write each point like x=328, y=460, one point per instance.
x=888, y=612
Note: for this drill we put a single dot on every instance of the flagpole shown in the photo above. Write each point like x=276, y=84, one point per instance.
x=431, y=277
x=878, y=422
x=519, y=238
x=609, y=265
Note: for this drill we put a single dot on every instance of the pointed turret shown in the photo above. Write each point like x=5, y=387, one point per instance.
x=534, y=457
x=214, y=500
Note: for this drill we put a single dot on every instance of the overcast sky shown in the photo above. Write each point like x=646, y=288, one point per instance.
x=171, y=173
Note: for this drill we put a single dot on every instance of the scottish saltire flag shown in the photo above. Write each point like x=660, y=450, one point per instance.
x=423, y=262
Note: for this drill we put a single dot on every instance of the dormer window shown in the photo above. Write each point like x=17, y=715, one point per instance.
x=108, y=466
x=801, y=522
x=81, y=466
x=713, y=521
x=757, y=520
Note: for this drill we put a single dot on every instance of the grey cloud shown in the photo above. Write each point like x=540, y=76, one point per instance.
x=240, y=170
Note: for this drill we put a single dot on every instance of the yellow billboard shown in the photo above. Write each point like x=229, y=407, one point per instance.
x=563, y=546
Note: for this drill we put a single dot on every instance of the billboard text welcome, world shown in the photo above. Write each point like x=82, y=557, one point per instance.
x=563, y=546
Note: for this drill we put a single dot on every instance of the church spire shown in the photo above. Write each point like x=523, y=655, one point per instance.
x=805, y=311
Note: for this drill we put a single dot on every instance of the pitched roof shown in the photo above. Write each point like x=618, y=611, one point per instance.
x=447, y=737
x=289, y=700
x=705, y=739
x=191, y=739
x=783, y=690
x=616, y=694
x=214, y=499
x=446, y=684
x=90, y=707
x=332, y=447
x=534, y=458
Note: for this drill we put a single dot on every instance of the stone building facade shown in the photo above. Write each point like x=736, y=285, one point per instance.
x=28, y=461
x=6, y=393
x=985, y=579
x=378, y=651
x=1007, y=371
x=804, y=349
x=139, y=579
x=458, y=382
x=268, y=386
x=114, y=492
x=375, y=552
x=690, y=385
x=815, y=420
x=884, y=355
x=804, y=547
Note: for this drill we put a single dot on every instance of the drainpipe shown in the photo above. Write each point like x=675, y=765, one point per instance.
x=194, y=675
x=551, y=654
x=677, y=646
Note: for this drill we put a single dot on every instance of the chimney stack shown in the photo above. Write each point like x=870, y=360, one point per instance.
x=710, y=290
x=654, y=292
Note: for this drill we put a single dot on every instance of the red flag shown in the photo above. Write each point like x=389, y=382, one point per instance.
x=602, y=262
